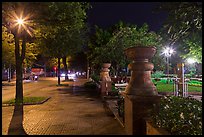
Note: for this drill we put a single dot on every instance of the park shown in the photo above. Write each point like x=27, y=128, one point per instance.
x=66, y=72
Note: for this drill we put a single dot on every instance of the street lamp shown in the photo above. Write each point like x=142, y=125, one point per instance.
x=14, y=22
x=20, y=21
x=168, y=51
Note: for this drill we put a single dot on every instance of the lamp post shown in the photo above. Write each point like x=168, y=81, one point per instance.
x=168, y=52
x=18, y=22
x=18, y=26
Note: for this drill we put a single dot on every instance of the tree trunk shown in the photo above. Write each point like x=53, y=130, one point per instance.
x=58, y=71
x=88, y=70
x=65, y=67
x=117, y=70
x=16, y=125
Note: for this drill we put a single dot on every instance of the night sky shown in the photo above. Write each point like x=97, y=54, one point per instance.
x=106, y=14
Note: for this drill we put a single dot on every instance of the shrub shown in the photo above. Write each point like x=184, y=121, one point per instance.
x=157, y=74
x=114, y=88
x=95, y=77
x=179, y=115
x=90, y=85
x=114, y=91
x=195, y=83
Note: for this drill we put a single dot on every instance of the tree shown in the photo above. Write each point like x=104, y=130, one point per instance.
x=96, y=43
x=127, y=37
x=193, y=47
x=98, y=52
x=11, y=13
x=61, y=33
x=183, y=24
x=108, y=45
x=8, y=47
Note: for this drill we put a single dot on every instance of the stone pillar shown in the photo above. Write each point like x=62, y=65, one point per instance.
x=105, y=80
x=140, y=94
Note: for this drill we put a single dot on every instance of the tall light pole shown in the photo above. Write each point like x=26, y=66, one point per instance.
x=18, y=26
x=168, y=52
x=17, y=22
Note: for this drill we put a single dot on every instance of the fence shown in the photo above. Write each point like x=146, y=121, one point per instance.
x=177, y=90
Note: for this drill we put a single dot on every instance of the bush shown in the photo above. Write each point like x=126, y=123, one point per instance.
x=195, y=83
x=95, y=77
x=90, y=85
x=179, y=115
x=157, y=74
x=114, y=91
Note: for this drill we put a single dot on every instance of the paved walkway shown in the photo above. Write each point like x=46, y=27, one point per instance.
x=71, y=110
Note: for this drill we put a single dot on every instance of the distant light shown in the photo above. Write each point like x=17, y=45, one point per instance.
x=191, y=61
x=62, y=75
x=72, y=76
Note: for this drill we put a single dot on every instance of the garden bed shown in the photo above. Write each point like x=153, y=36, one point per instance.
x=153, y=130
x=179, y=116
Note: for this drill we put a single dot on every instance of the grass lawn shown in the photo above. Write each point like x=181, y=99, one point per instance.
x=162, y=87
x=27, y=100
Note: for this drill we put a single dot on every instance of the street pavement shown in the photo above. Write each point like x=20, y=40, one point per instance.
x=71, y=110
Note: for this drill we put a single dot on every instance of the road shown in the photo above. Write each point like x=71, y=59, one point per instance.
x=8, y=91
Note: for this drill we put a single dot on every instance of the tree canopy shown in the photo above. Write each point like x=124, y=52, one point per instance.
x=61, y=33
x=183, y=28
x=109, y=45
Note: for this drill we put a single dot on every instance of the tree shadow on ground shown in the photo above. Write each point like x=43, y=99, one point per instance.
x=79, y=91
x=16, y=124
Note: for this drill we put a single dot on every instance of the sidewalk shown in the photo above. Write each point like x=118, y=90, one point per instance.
x=71, y=110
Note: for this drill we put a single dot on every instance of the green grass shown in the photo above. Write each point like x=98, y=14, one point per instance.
x=27, y=100
x=66, y=85
x=162, y=87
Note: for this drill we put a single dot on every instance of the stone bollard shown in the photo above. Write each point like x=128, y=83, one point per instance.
x=105, y=80
x=140, y=95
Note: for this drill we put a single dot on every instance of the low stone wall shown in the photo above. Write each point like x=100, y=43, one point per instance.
x=153, y=130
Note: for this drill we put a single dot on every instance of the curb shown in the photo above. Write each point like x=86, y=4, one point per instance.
x=37, y=103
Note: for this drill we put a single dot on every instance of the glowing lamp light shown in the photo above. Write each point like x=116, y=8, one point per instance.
x=191, y=61
x=168, y=51
x=171, y=51
x=20, y=21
